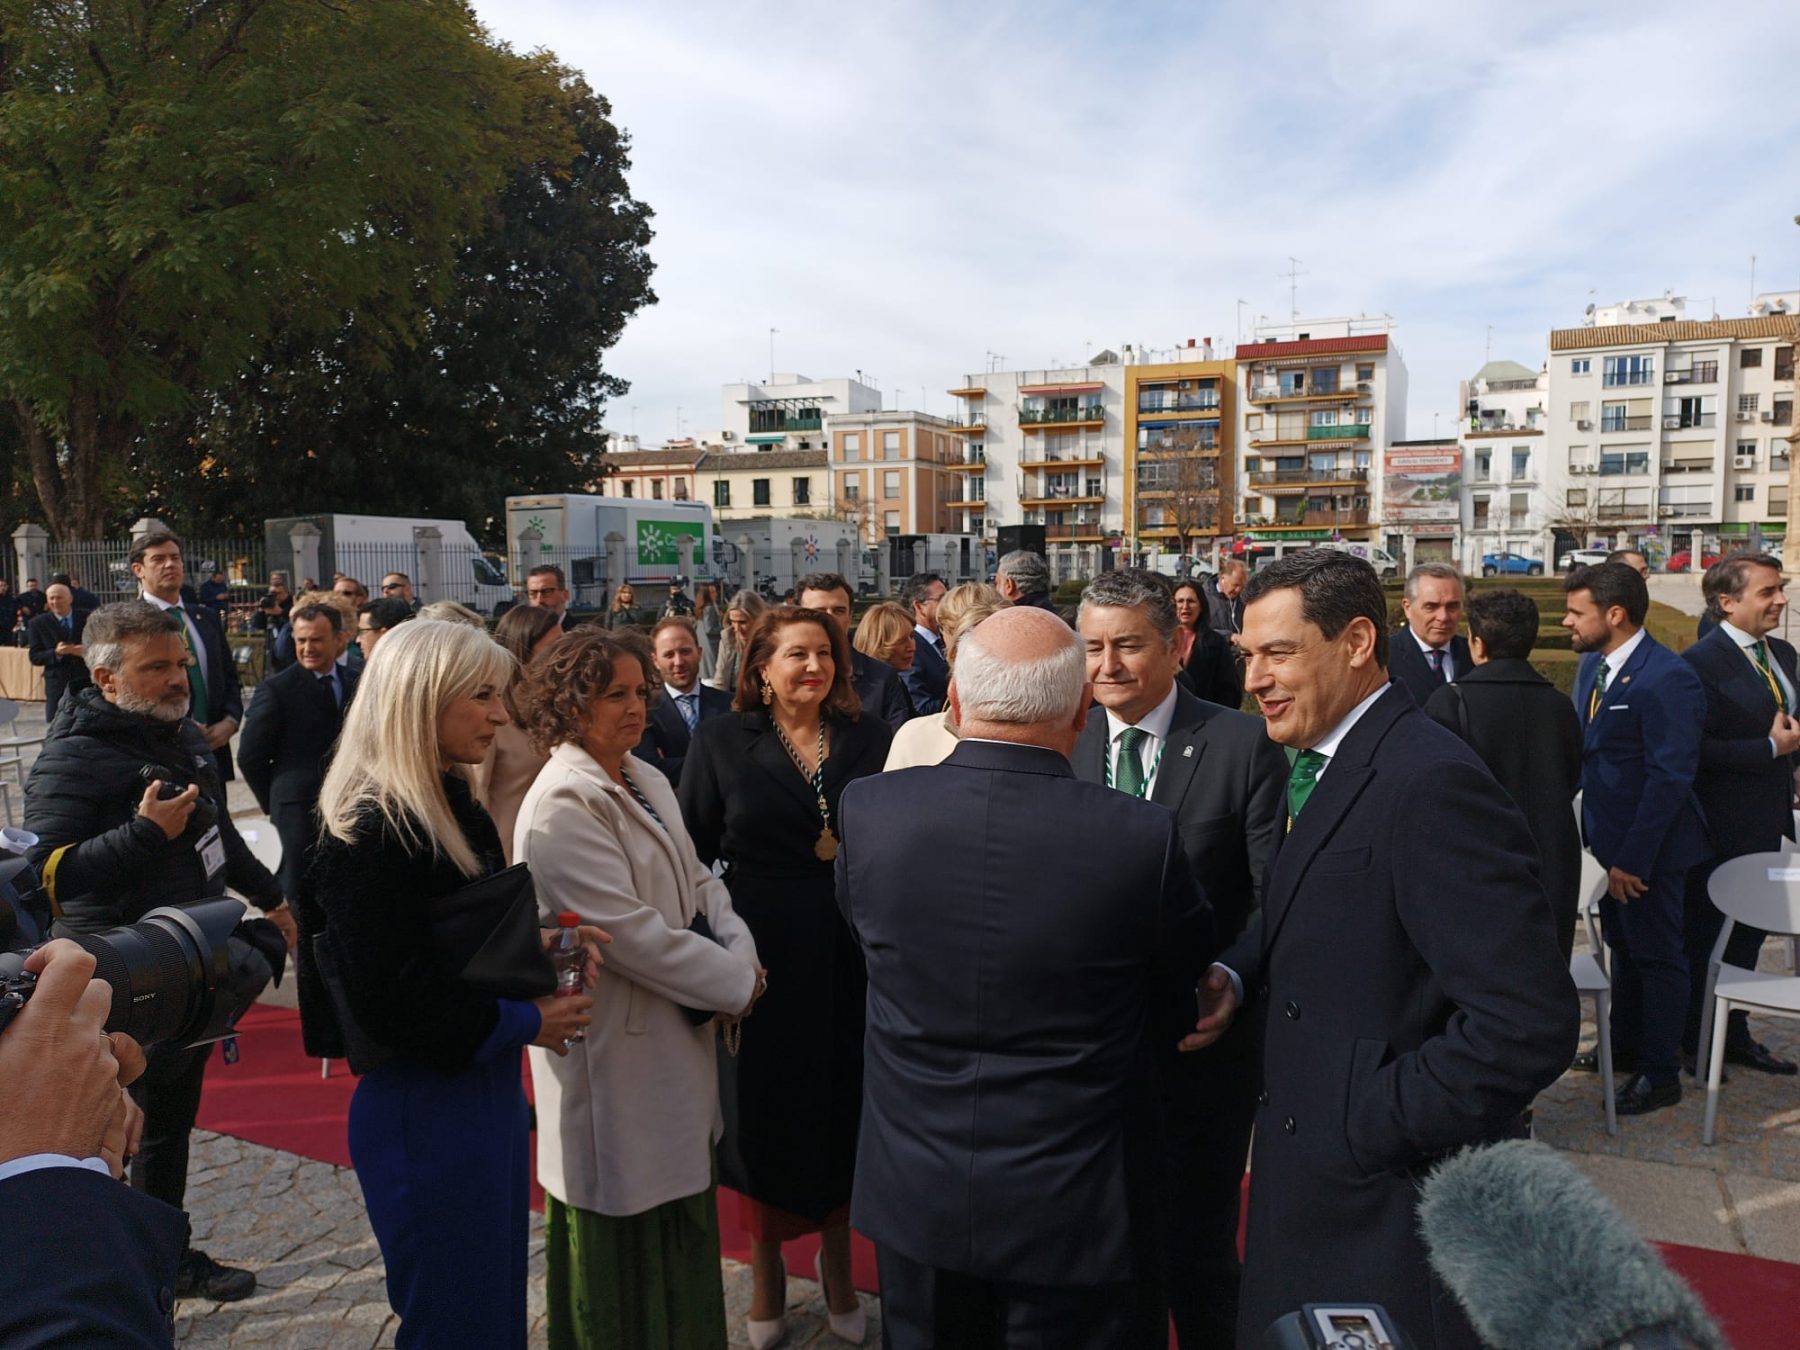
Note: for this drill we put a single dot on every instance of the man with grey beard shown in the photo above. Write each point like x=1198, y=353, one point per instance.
x=130, y=814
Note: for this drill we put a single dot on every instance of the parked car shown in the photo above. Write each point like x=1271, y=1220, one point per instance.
x=1682, y=561
x=1510, y=564
x=1582, y=557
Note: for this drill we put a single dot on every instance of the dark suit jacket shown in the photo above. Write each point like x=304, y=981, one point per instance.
x=1415, y=1001
x=1212, y=669
x=928, y=682
x=1745, y=792
x=1640, y=756
x=93, y=1263
x=1222, y=615
x=665, y=740
x=1527, y=734
x=1407, y=664
x=1009, y=1126
x=878, y=686
x=286, y=745
x=61, y=673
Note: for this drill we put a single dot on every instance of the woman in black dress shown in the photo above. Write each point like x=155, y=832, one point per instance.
x=1205, y=653
x=760, y=790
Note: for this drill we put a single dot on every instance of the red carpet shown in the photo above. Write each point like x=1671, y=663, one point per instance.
x=274, y=1097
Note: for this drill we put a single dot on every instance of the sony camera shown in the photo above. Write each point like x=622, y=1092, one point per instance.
x=1335, y=1326
x=170, y=973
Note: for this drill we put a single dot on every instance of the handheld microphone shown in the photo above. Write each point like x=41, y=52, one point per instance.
x=1541, y=1260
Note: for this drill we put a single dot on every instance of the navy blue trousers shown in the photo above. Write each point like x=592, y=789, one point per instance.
x=444, y=1169
x=1649, y=975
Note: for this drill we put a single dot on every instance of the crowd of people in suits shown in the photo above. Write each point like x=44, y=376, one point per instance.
x=992, y=931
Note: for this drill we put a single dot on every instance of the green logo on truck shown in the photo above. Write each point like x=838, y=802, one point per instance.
x=657, y=544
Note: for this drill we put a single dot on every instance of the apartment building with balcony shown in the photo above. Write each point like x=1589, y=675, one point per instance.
x=1046, y=447
x=788, y=411
x=902, y=473
x=1673, y=435
x=1179, y=454
x=1506, y=506
x=1316, y=398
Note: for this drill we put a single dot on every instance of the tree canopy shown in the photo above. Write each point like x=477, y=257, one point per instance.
x=200, y=198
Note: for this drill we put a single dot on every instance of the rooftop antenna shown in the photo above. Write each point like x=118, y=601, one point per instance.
x=1239, y=340
x=772, y=333
x=1489, y=354
x=1293, y=279
x=1753, y=278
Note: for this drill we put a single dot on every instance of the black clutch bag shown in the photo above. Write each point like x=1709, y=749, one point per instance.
x=700, y=1016
x=486, y=935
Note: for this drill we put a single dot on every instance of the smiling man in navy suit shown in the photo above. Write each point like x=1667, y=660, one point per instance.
x=1746, y=779
x=1642, y=710
x=685, y=702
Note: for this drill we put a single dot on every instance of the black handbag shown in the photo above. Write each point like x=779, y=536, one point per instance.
x=362, y=1050
x=486, y=935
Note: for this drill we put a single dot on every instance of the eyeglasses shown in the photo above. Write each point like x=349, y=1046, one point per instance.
x=392, y=585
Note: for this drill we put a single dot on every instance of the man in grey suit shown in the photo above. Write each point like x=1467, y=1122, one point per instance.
x=1225, y=780
x=1007, y=1165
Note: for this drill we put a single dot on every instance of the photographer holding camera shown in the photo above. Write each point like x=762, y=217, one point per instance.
x=130, y=815
x=93, y=1262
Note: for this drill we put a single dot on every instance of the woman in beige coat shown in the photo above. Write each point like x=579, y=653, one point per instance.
x=627, y=1123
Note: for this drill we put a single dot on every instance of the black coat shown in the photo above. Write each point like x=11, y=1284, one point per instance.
x=928, y=682
x=798, y=1079
x=1525, y=730
x=374, y=898
x=1414, y=1001
x=665, y=740
x=1222, y=616
x=104, y=864
x=61, y=673
x=879, y=687
x=1745, y=792
x=91, y=1262
x=1212, y=669
x=1017, y=998
x=1408, y=667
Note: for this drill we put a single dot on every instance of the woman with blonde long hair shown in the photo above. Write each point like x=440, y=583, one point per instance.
x=741, y=613
x=930, y=739
x=438, y=1122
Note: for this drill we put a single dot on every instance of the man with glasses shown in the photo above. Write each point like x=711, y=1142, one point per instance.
x=375, y=618
x=398, y=586
x=545, y=588
x=928, y=682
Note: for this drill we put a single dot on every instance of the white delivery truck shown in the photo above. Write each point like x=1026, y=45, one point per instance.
x=439, y=557
x=1373, y=554
x=782, y=549
x=598, y=541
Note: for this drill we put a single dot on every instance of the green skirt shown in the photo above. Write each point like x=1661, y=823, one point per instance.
x=648, y=1282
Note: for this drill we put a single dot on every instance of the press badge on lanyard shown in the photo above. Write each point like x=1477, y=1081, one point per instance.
x=211, y=849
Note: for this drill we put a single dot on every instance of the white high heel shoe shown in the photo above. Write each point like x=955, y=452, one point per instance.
x=850, y=1326
x=764, y=1335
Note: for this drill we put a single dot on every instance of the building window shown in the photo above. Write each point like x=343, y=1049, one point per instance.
x=1252, y=507
x=1750, y=358
x=1575, y=497
x=1784, y=412
x=1784, y=363
x=1581, y=365
x=629, y=485
x=852, y=446
x=1615, y=462
x=656, y=489
x=852, y=491
x=1743, y=492
x=1518, y=515
x=1365, y=372
x=803, y=492
x=681, y=489
x=890, y=445
x=1745, y=450
x=892, y=522
x=1521, y=468
x=1478, y=507
x=1747, y=402
x=1253, y=422
x=722, y=492
x=1623, y=370
x=890, y=483
x=759, y=492
x=1484, y=466
x=1578, y=411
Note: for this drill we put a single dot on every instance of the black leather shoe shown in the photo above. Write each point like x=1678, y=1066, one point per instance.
x=1697, y=1071
x=199, y=1276
x=1640, y=1096
x=1756, y=1055
x=1588, y=1061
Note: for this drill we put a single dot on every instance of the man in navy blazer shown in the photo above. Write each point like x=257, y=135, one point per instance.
x=1642, y=709
x=685, y=702
x=1746, y=779
x=55, y=638
x=876, y=683
x=1404, y=963
x=1426, y=652
x=928, y=681
x=1007, y=1164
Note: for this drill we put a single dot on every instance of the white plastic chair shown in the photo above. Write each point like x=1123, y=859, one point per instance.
x=13, y=745
x=1593, y=890
x=1591, y=982
x=1762, y=890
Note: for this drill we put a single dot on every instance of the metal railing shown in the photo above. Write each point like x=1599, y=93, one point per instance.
x=1350, y=516
x=1681, y=422
x=1091, y=412
x=1355, y=431
x=1641, y=423
x=1168, y=403
x=1701, y=372
x=1275, y=476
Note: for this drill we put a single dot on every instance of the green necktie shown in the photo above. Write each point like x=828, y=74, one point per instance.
x=1302, y=779
x=1130, y=775
x=1599, y=691
x=1768, y=673
x=197, y=708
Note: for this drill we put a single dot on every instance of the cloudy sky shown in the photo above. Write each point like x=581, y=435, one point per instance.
x=905, y=188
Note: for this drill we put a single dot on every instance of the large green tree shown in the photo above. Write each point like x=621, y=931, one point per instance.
x=501, y=390
x=181, y=180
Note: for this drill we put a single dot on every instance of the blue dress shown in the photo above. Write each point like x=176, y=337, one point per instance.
x=438, y=1133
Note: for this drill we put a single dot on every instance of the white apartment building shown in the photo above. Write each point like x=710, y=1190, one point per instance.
x=788, y=411
x=1318, y=400
x=1505, y=497
x=1672, y=435
x=1046, y=447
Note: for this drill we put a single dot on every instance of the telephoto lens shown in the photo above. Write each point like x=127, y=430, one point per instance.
x=168, y=971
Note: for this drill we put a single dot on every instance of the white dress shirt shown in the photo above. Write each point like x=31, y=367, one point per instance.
x=38, y=1162
x=1327, y=745
x=1155, y=725
x=1427, y=649
x=1615, y=661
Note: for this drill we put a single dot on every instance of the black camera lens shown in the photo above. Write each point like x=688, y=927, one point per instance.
x=167, y=971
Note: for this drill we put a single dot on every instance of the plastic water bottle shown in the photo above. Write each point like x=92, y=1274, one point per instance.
x=570, y=959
